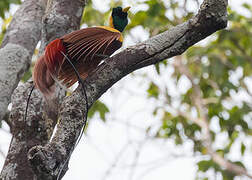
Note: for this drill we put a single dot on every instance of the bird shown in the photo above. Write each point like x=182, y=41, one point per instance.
x=76, y=55
x=84, y=48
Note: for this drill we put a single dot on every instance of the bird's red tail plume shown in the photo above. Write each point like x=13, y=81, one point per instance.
x=42, y=78
x=53, y=56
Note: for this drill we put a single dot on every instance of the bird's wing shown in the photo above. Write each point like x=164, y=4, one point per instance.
x=84, y=47
x=84, y=43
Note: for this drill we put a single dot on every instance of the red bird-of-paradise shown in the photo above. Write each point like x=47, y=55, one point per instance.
x=76, y=55
x=85, y=48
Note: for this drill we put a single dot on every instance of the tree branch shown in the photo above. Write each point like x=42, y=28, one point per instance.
x=16, y=51
x=39, y=124
x=210, y=18
x=17, y=48
x=202, y=121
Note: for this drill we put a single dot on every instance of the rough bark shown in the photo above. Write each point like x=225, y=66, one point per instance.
x=210, y=18
x=37, y=128
x=16, y=52
x=17, y=48
x=49, y=157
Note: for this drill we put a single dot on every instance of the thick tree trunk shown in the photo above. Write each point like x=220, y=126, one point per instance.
x=31, y=137
x=17, y=48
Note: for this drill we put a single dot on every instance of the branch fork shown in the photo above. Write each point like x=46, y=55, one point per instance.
x=49, y=157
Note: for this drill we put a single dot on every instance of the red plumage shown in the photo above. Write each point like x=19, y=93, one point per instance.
x=53, y=56
x=83, y=47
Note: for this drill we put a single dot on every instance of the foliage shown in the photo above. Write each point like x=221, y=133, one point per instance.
x=27, y=75
x=5, y=6
x=98, y=107
x=220, y=70
x=93, y=17
x=4, y=27
x=212, y=67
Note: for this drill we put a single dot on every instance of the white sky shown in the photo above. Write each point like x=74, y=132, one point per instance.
x=109, y=150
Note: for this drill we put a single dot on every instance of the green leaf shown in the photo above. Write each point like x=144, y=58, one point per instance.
x=220, y=152
x=100, y=108
x=157, y=68
x=153, y=90
x=204, y=165
x=27, y=76
x=239, y=163
x=247, y=6
x=227, y=175
x=243, y=148
x=5, y=6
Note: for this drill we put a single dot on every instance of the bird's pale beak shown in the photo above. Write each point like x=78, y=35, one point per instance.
x=126, y=9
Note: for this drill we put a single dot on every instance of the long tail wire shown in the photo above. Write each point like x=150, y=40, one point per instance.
x=85, y=95
x=86, y=115
x=27, y=102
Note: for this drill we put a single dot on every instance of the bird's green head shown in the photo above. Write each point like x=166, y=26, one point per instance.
x=119, y=18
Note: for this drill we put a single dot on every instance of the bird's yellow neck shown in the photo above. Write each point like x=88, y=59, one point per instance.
x=112, y=28
x=111, y=22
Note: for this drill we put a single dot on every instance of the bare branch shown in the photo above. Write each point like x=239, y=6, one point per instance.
x=115, y=160
x=38, y=127
x=211, y=17
x=136, y=158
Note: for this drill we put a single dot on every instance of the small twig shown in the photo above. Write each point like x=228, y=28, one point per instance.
x=136, y=159
x=184, y=5
x=202, y=121
x=116, y=159
x=198, y=4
